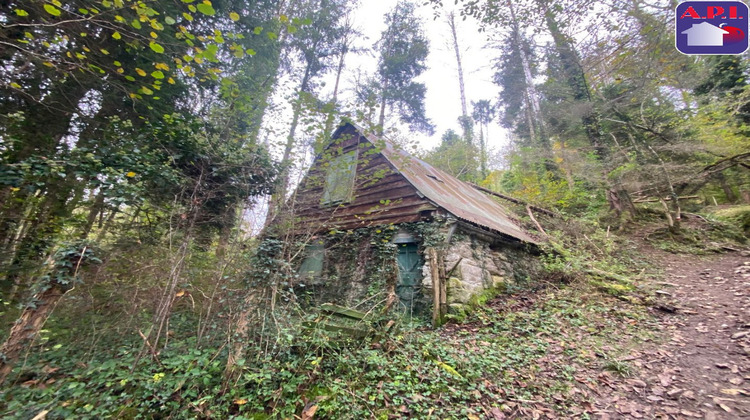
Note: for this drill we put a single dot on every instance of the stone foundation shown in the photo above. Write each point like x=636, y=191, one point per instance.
x=474, y=267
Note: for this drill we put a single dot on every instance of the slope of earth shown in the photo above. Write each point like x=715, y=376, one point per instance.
x=683, y=356
x=702, y=369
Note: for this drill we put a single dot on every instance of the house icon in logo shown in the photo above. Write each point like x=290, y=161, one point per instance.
x=705, y=34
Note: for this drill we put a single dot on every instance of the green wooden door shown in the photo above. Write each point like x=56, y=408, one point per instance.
x=410, y=273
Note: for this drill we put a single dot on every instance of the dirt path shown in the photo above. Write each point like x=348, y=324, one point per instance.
x=703, y=370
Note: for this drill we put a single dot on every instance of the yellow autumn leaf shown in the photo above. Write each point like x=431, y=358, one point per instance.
x=234, y=16
x=181, y=293
x=161, y=66
x=170, y=81
x=240, y=401
x=130, y=174
x=140, y=72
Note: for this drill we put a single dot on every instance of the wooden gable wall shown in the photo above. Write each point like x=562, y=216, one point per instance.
x=380, y=196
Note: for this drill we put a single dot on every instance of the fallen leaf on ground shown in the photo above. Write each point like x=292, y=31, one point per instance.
x=731, y=391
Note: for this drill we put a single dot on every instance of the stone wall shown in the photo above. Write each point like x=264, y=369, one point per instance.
x=355, y=275
x=474, y=266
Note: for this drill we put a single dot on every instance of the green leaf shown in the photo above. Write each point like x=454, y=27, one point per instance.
x=146, y=90
x=136, y=24
x=54, y=11
x=130, y=78
x=157, y=74
x=156, y=47
x=206, y=9
x=116, y=35
x=15, y=85
x=210, y=52
x=234, y=16
x=169, y=20
x=21, y=12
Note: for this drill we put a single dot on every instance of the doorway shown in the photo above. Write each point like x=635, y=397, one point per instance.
x=409, y=284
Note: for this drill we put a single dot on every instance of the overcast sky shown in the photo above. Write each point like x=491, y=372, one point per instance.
x=443, y=101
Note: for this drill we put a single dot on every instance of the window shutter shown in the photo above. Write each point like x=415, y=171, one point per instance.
x=340, y=179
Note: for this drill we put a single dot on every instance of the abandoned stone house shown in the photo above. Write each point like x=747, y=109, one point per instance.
x=379, y=222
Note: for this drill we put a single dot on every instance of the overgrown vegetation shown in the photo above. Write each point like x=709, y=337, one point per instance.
x=491, y=361
x=139, y=142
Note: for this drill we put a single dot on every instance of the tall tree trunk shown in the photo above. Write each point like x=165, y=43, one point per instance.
x=383, y=103
x=346, y=41
x=334, y=100
x=51, y=290
x=536, y=122
x=483, y=149
x=277, y=199
x=465, y=120
x=728, y=191
x=27, y=327
x=575, y=78
x=94, y=211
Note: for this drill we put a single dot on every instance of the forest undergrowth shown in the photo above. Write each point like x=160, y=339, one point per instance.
x=535, y=351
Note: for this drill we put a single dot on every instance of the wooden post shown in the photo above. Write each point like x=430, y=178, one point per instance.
x=436, y=289
x=443, y=282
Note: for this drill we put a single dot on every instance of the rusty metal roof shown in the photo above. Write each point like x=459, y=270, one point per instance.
x=450, y=193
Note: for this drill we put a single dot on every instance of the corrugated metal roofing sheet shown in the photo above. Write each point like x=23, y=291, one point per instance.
x=450, y=193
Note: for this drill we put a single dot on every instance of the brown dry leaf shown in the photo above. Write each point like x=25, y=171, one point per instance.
x=731, y=391
x=497, y=414
x=735, y=381
x=665, y=379
x=41, y=415
x=725, y=408
x=50, y=370
x=309, y=412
